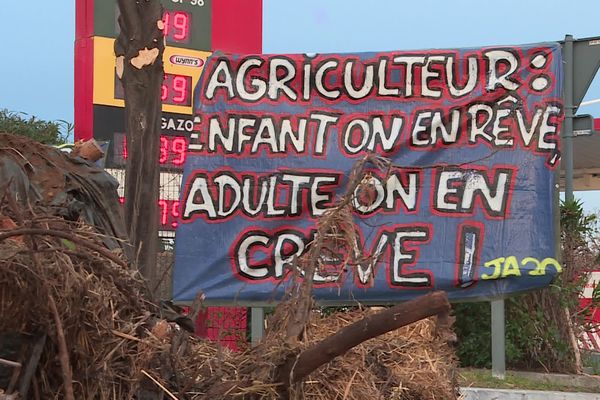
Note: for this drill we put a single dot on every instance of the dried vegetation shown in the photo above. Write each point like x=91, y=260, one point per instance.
x=60, y=286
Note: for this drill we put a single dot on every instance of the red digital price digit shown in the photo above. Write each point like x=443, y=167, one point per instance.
x=172, y=150
x=166, y=21
x=176, y=89
x=179, y=147
x=164, y=211
x=175, y=213
x=176, y=25
x=125, y=147
x=180, y=88
x=164, y=89
x=164, y=150
x=166, y=208
x=181, y=22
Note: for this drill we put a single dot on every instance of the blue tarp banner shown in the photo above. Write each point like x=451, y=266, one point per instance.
x=467, y=206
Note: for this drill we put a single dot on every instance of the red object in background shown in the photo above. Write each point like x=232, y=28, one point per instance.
x=84, y=69
x=588, y=291
x=176, y=90
x=590, y=340
x=226, y=325
x=177, y=26
x=597, y=124
x=173, y=151
x=168, y=213
x=237, y=26
x=595, y=313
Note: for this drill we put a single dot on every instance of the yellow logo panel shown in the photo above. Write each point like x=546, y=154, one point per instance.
x=182, y=71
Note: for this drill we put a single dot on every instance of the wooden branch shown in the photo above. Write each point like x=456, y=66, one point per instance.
x=32, y=364
x=12, y=364
x=297, y=368
x=65, y=235
x=13, y=380
x=329, y=222
x=63, y=353
x=160, y=385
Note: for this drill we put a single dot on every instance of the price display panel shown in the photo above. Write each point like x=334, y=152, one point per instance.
x=192, y=29
x=173, y=151
x=182, y=71
x=188, y=23
x=177, y=134
x=168, y=210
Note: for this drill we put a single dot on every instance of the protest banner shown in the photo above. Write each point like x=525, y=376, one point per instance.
x=467, y=207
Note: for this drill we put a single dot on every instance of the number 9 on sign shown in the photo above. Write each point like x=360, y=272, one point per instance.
x=176, y=90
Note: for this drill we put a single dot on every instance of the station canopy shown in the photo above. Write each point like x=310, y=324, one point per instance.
x=586, y=161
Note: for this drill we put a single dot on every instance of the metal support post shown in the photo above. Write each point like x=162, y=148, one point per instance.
x=498, y=339
x=257, y=326
x=567, y=156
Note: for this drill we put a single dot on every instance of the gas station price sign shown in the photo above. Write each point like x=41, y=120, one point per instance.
x=173, y=151
x=188, y=36
x=177, y=134
x=182, y=70
x=187, y=22
x=176, y=90
x=192, y=29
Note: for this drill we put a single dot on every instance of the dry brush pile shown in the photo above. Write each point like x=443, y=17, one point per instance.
x=114, y=343
x=61, y=287
x=63, y=284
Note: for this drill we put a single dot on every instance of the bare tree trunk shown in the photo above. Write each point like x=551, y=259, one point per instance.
x=297, y=368
x=139, y=50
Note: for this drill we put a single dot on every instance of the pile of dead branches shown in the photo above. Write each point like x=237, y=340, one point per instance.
x=414, y=362
x=59, y=284
x=95, y=336
x=356, y=355
x=104, y=343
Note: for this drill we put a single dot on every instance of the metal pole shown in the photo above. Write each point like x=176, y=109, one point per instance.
x=498, y=340
x=568, y=124
x=257, y=325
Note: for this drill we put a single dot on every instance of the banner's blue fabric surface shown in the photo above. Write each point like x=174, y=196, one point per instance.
x=468, y=206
